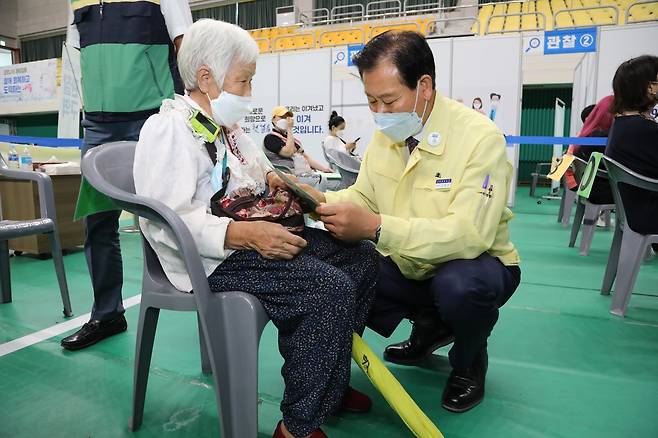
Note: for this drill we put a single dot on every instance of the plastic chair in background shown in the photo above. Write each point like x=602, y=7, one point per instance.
x=536, y=175
x=46, y=224
x=230, y=324
x=628, y=247
x=587, y=213
x=347, y=165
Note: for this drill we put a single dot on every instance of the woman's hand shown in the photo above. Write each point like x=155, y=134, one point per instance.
x=274, y=181
x=270, y=240
x=350, y=146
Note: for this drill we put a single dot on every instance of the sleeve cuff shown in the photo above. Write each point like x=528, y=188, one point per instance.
x=393, y=234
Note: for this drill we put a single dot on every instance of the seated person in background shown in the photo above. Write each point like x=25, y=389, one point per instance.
x=597, y=124
x=316, y=290
x=633, y=140
x=334, y=140
x=290, y=152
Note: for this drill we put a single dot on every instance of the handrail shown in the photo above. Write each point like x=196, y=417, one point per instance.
x=501, y=3
x=428, y=8
x=474, y=20
x=377, y=9
x=314, y=18
x=392, y=25
x=350, y=29
x=337, y=14
x=632, y=5
x=516, y=14
x=311, y=34
x=586, y=8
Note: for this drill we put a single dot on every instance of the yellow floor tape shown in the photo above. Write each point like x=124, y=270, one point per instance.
x=393, y=392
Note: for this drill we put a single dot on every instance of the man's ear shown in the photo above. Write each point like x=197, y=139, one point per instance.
x=426, y=87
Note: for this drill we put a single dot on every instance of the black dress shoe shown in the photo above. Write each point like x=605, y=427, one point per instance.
x=94, y=331
x=465, y=388
x=429, y=333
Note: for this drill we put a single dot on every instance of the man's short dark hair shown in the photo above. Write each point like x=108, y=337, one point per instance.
x=491, y=96
x=630, y=84
x=407, y=50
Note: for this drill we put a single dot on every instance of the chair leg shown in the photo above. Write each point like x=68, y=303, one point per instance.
x=577, y=221
x=56, y=251
x=613, y=261
x=590, y=218
x=533, y=185
x=570, y=198
x=232, y=336
x=632, y=249
x=148, y=322
x=563, y=200
x=205, y=359
x=5, y=274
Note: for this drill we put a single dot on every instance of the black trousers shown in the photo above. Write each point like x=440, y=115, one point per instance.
x=102, y=248
x=466, y=293
x=316, y=301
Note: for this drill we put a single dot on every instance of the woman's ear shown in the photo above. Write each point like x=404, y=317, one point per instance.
x=203, y=77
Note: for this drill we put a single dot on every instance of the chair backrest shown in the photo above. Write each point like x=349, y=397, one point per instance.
x=109, y=169
x=620, y=174
x=343, y=161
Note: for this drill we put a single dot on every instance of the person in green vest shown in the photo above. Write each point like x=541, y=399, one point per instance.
x=128, y=63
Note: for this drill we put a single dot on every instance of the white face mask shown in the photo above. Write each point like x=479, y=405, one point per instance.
x=340, y=133
x=400, y=126
x=282, y=124
x=228, y=109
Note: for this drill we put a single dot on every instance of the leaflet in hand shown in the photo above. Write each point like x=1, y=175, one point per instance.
x=296, y=189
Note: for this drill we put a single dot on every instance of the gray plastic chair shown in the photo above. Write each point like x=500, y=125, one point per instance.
x=628, y=247
x=566, y=204
x=536, y=175
x=46, y=224
x=230, y=324
x=587, y=214
x=347, y=165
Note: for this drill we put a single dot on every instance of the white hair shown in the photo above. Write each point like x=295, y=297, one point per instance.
x=216, y=45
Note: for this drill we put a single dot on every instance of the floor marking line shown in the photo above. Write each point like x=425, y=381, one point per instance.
x=55, y=330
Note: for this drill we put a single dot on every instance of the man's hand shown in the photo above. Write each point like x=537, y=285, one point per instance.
x=270, y=240
x=349, y=222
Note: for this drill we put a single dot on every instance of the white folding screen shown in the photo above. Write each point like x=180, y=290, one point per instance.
x=618, y=44
x=442, y=51
x=483, y=67
x=265, y=92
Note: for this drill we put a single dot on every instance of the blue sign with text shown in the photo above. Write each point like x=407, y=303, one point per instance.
x=351, y=51
x=570, y=41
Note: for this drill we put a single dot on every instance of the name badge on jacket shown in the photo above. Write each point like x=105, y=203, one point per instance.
x=443, y=183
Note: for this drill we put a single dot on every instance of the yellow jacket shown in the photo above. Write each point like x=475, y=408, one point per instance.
x=447, y=201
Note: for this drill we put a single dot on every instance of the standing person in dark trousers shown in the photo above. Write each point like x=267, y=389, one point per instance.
x=432, y=194
x=633, y=140
x=126, y=51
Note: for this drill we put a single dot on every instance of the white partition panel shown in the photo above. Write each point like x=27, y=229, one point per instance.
x=483, y=66
x=618, y=44
x=584, y=89
x=442, y=51
x=305, y=87
x=265, y=92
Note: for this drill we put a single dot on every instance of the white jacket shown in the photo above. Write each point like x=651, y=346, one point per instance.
x=173, y=167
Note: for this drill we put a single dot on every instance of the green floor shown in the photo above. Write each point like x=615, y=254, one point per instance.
x=560, y=364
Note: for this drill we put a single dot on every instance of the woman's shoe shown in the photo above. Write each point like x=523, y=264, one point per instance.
x=355, y=402
x=278, y=432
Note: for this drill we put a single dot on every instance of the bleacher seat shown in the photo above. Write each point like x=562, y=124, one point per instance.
x=295, y=42
x=340, y=37
x=377, y=30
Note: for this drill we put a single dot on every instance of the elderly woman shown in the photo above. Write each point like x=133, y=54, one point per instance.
x=316, y=290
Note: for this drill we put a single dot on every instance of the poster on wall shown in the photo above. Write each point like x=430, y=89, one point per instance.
x=28, y=83
x=70, y=96
x=306, y=96
x=265, y=95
